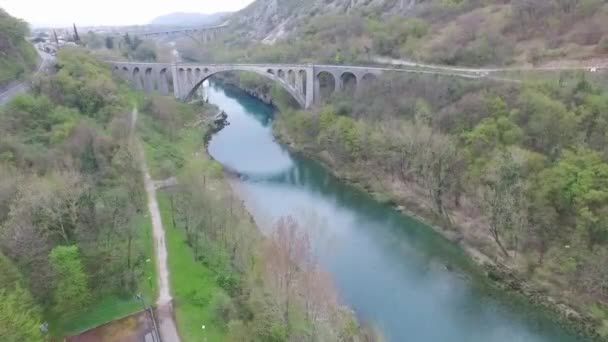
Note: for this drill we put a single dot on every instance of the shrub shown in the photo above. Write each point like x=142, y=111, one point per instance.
x=222, y=309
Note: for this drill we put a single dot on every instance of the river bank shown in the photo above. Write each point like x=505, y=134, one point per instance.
x=500, y=275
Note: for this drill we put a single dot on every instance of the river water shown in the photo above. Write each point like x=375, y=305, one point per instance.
x=389, y=268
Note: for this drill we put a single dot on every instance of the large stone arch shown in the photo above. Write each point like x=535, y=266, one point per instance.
x=266, y=72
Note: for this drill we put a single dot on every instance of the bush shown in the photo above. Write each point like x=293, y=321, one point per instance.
x=229, y=282
x=222, y=309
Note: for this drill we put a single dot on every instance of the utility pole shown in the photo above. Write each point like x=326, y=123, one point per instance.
x=56, y=39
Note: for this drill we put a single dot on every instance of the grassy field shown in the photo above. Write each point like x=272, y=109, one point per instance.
x=192, y=287
x=114, y=306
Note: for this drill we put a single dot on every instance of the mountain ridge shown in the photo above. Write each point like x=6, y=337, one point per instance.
x=464, y=32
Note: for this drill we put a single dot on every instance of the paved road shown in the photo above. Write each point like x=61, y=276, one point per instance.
x=46, y=61
x=480, y=72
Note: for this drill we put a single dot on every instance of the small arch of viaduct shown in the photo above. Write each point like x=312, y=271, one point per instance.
x=303, y=82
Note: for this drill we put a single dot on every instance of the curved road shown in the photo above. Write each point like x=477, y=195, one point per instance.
x=22, y=87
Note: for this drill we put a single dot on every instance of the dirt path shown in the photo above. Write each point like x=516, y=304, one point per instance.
x=166, y=321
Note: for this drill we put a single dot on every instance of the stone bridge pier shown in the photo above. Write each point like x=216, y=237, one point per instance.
x=306, y=83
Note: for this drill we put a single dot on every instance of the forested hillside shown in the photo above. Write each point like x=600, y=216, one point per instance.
x=72, y=229
x=17, y=56
x=468, y=32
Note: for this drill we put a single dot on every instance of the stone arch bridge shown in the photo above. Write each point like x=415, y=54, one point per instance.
x=302, y=81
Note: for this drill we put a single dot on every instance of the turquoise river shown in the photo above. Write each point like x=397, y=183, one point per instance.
x=392, y=270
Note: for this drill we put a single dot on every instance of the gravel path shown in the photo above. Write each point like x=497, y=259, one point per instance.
x=164, y=306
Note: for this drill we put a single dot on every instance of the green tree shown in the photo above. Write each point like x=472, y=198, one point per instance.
x=577, y=186
x=70, y=286
x=503, y=199
x=19, y=315
x=18, y=320
x=548, y=125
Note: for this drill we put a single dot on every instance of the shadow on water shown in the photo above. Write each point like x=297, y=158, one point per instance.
x=391, y=269
x=264, y=115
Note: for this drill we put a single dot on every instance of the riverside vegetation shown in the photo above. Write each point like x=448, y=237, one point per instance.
x=516, y=173
x=224, y=274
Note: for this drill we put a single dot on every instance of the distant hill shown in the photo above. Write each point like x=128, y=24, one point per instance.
x=456, y=32
x=189, y=19
x=17, y=56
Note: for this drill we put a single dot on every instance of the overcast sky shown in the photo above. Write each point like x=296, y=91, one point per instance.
x=109, y=12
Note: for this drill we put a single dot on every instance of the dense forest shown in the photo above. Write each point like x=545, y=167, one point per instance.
x=71, y=231
x=17, y=56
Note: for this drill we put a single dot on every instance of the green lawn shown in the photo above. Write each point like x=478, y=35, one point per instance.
x=113, y=306
x=192, y=284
